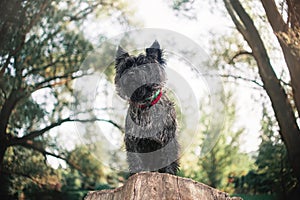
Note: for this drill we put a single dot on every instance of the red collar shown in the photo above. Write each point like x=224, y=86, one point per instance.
x=156, y=97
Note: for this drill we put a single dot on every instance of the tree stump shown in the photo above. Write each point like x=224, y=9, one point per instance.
x=158, y=186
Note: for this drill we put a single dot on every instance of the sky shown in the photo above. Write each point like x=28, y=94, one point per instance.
x=158, y=14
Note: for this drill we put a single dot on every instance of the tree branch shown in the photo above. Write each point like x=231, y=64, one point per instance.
x=30, y=145
x=37, y=133
x=83, y=13
x=51, y=64
x=29, y=27
x=240, y=26
x=66, y=77
x=274, y=16
x=285, y=83
x=5, y=65
x=51, y=81
x=100, y=120
x=236, y=77
x=7, y=108
x=40, y=84
x=231, y=61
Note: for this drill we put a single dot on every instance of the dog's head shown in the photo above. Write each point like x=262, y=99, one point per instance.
x=140, y=77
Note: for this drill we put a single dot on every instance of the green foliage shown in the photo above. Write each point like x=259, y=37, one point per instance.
x=273, y=173
x=234, y=58
x=26, y=169
x=91, y=169
x=272, y=160
x=27, y=116
x=223, y=161
x=178, y=4
x=256, y=197
x=184, y=7
x=42, y=47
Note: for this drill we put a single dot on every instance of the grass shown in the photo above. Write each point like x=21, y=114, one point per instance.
x=256, y=197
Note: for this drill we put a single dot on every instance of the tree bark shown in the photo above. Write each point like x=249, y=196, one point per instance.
x=5, y=114
x=157, y=186
x=3, y=148
x=288, y=40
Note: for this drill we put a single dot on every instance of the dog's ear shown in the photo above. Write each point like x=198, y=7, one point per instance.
x=155, y=45
x=155, y=52
x=121, y=55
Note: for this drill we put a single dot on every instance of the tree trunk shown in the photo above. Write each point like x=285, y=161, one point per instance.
x=3, y=148
x=157, y=186
x=289, y=41
x=5, y=113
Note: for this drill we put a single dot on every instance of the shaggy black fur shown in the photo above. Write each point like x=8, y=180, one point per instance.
x=150, y=129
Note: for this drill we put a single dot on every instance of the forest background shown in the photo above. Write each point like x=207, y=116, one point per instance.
x=53, y=146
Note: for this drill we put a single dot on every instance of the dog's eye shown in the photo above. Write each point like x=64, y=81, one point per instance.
x=129, y=62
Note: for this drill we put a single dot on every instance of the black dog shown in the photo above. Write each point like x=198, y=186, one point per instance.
x=150, y=129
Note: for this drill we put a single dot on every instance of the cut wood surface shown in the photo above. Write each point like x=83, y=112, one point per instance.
x=157, y=186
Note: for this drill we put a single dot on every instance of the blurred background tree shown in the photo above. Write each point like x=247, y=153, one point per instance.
x=41, y=49
x=249, y=52
x=220, y=159
x=284, y=97
x=273, y=172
